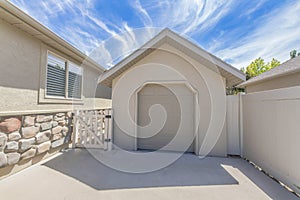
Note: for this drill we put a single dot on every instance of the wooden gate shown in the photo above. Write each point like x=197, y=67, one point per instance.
x=93, y=129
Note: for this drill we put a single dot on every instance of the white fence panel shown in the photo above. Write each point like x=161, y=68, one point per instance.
x=271, y=133
x=233, y=128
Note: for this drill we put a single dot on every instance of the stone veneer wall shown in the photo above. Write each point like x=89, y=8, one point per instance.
x=24, y=137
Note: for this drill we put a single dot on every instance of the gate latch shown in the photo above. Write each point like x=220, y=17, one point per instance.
x=107, y=140
x=108, y=116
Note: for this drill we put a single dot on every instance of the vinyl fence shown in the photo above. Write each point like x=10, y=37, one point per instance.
x=233, y=125
x=271, y=133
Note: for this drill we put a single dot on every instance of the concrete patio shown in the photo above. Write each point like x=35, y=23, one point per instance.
x=75, y=174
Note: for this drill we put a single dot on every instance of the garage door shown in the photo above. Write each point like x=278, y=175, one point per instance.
x=172, y=137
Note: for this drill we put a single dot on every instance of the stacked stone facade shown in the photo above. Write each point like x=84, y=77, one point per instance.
x=24, y=137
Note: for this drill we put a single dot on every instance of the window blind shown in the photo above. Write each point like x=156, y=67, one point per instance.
x=74, y=81
x=56, y=77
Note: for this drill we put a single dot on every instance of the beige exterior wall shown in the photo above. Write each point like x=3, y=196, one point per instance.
x=209, y=85
x=271, y=133
x=286, y=81
x=22, y=78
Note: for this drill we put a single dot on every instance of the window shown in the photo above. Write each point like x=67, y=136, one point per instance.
x=64, y=78
x=74, y=83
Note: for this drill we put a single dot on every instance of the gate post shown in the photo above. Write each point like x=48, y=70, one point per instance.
x=75, y=129
x=110, y=128
x=106, y=138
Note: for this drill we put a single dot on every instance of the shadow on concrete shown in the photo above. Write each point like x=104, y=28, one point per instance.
x=189, y=170
x=268, y=185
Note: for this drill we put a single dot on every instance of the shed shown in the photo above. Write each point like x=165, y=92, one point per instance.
x=170, y=95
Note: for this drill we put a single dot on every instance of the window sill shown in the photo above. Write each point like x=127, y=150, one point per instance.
x=58, y=100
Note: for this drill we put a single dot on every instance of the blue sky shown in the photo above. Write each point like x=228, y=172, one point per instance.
x=237, y=31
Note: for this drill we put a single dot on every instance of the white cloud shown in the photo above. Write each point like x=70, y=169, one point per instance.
x=101, y=24
x=101, y=55
x=122, y=44
x=209, y=14
x=274, y=36
x=185, y=16
x=277, y=34
x=54, y=7
x=257, y=4
x=146, y=19
x=188, y=16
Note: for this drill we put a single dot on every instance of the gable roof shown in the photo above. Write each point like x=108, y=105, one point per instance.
x=19, y=19
x=233, y=76
x=288, y=67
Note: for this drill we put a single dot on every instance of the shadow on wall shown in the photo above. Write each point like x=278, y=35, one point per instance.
x=103, y=92
x=189, y=170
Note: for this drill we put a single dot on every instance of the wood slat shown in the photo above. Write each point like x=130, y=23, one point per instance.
x=93, y=128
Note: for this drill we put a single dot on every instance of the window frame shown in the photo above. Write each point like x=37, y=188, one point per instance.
x=66, y=98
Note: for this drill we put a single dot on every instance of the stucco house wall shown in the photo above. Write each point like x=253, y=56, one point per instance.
x=198, y=75
x=290, y=80
x=22, y=78
x=33, y=126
